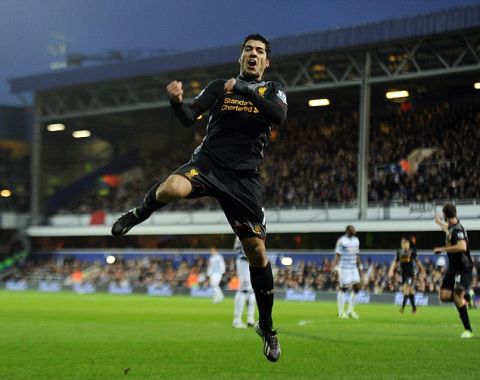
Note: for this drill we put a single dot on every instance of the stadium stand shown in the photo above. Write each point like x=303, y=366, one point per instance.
x=312, y=160
x=188, y=272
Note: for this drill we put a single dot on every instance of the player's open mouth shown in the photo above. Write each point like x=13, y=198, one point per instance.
x=252, y=62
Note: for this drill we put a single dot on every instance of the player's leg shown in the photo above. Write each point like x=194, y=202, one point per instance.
x=215, y=280
x=240, y=298
x=462, y=282
x=173, y=188
x=241, y=200
x=262, y=279
x=446, y=295
x=458, y=299
x=405, y=296
x=353, y=300
x=355, y=289
x=343, y=286
x=411, y=296
x=262, y=283
x=447, y=286
x=410, y=293
x=251, y=309
x=469, y=294
x=341, y=296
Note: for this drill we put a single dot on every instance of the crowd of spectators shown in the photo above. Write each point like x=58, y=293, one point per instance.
x=312, y=160
x=450, y=172
x=180, y=272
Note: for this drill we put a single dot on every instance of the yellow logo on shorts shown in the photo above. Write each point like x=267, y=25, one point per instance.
x=192, y=173
x=257, y=228
x=261, y=91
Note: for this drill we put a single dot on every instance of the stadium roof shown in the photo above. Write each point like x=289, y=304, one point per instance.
x=443, y=22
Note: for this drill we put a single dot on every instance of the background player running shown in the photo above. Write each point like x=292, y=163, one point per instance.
x=226, y=165
x=407, y=258
x=458, y=277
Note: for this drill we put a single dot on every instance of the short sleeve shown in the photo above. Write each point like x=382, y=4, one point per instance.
x=338, y=247
x=458, y=235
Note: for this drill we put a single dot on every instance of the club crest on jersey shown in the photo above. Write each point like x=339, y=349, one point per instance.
x=257, y=229
x=262, y=90
x=192, y=173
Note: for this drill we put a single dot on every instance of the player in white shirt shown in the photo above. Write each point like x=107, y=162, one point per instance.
x=347, y=262
x=215, y=271
x=245, y=292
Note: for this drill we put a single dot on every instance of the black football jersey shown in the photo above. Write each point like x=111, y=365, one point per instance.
x=237, y=133
x=407, y=258
x=458, y=261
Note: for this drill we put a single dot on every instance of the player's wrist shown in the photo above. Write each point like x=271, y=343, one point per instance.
x=175, y=100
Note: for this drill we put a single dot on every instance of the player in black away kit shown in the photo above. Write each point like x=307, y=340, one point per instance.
x=458, y=278
x=407, y=257
x=226, y=165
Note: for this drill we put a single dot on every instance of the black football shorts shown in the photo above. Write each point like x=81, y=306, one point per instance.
x=238, y=192
x=407, y=279
x=457, y=281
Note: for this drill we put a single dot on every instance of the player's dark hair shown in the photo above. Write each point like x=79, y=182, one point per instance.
x=258, y=37
x=450, y=211
x=350, y=230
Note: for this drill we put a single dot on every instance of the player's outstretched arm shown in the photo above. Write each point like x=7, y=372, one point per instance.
x=443, y=226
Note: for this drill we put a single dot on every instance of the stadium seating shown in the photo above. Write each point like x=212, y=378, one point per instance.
x=312, y=160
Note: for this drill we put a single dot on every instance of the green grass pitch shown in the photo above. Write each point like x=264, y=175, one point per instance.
x=101, y=336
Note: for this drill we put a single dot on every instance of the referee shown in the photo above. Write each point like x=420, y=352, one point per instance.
x=226, y=165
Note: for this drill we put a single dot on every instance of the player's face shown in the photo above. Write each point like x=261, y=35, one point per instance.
x=405, y=244
x=253, y=60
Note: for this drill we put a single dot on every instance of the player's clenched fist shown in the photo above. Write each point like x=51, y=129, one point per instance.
x=175, y=91
x=229, y=85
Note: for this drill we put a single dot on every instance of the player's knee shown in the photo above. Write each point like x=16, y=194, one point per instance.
x=175, y=187
x=458, y=297
x=446, y=296
x=344, y=289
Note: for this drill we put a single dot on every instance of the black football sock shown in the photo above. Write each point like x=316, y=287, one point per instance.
x=150, y=204
x=464, y=317
x=262, y=284
x=412, y=301
x=404, y=301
